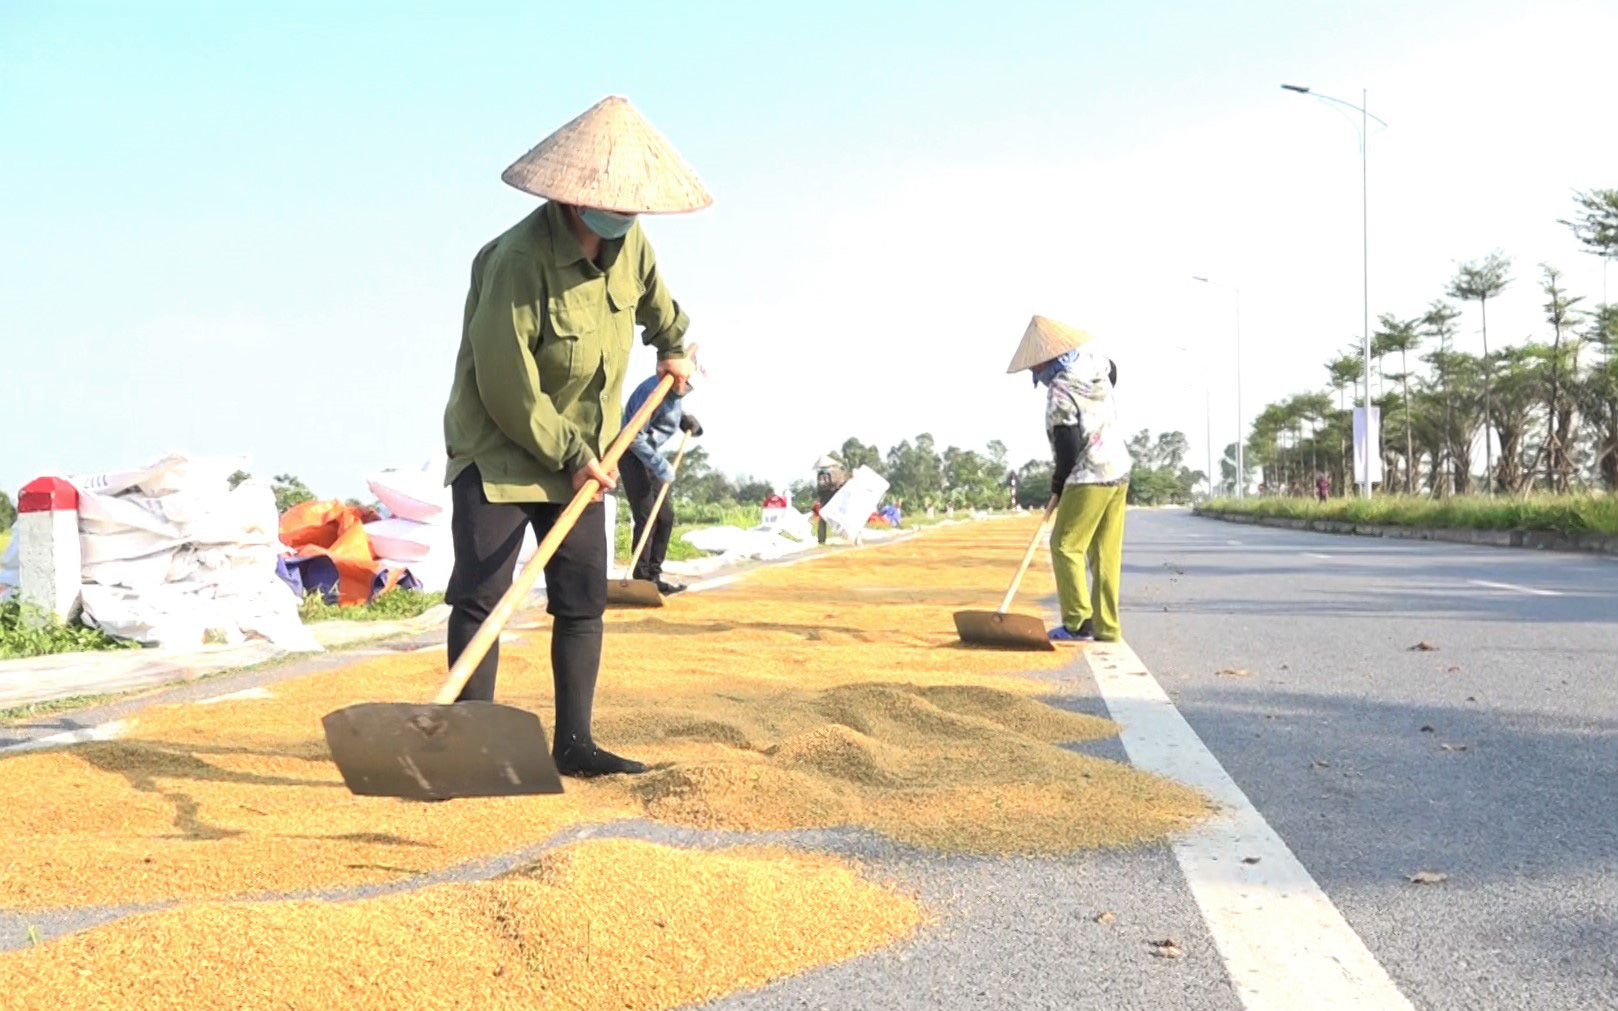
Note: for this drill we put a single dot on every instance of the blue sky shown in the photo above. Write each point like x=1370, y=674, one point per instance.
x=235, y=229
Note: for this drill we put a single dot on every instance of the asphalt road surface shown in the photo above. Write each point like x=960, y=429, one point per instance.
x=1388, y=708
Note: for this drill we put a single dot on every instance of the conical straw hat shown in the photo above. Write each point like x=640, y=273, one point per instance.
x=610, y=158
x=1043, y=340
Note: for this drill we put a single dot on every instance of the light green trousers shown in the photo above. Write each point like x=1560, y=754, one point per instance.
x=1090, y=525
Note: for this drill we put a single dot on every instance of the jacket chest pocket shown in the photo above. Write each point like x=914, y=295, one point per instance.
x=565, y=340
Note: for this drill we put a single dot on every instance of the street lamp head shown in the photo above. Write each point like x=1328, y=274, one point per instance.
x=1300, y=89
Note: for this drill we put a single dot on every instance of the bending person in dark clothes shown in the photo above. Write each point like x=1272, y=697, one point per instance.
x=645, y=472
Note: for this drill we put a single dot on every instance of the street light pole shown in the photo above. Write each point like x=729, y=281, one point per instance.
x=1241, y=435
x=1365, y=258
x=1207, y=430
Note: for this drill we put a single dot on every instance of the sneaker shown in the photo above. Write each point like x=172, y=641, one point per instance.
x=1061, y=633
x=1087, y=628
x=669, y=589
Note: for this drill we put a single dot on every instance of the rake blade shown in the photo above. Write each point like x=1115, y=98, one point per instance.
x=1002, y=631
x=427, y=752
x=633, y=593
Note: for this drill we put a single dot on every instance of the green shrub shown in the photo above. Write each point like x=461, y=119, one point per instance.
x=20, y=637
x=1566, y=514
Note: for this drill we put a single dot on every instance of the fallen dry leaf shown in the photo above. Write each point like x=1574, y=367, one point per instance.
x=1424, y=647
x=1105, y=917
x=1428, y=878
x=1452, y=670
x=1233, y=672
x=1321, y=763
x=1251, y=860
x=1427, y=728
x=1167, y=948
x=1446, y=746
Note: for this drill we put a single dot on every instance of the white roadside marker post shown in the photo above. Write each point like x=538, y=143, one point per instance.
x=48, y=569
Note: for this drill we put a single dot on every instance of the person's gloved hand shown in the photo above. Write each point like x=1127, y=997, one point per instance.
x=690, y=424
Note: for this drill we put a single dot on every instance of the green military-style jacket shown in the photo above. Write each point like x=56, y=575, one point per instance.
x=545, y=346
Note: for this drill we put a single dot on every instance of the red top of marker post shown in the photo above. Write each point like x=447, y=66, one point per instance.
x=47, y=495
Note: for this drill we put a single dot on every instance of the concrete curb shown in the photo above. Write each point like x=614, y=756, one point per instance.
x=1538, y=540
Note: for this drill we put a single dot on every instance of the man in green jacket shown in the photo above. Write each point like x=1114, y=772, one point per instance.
x=545, y=344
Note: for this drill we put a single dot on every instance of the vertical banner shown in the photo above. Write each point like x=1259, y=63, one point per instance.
x=1371, y=440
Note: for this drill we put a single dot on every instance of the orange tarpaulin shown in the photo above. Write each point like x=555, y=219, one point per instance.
x=337, y=530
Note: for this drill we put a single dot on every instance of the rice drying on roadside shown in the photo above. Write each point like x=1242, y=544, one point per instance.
x=618, y=924
x=789, y=701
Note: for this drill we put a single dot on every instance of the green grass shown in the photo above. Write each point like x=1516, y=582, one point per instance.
x=395, y=605
x=36, y=710
x=20, y=638
x=1566, y=514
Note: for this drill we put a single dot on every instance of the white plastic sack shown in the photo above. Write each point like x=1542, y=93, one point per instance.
x=164, y=476
x=183, y=616
x=172, y=556
x=850, y=509
x=123, y=545
x=788, y=522
x=100, y=512
x=141, y=573
x=408, y=540
x=244, y=515
x=735, y=544
x=418, y=495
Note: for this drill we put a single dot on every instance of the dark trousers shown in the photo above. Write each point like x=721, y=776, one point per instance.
x=642, y=488
x=488, y=537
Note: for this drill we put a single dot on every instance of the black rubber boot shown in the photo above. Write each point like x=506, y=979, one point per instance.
x=575, y=664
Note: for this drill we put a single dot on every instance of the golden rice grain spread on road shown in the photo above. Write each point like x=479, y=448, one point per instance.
x=612, y=924
x=830, y=693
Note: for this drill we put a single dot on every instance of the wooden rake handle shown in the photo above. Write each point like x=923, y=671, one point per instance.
x=651, y=517
x=489, y=632
x=1028, y=556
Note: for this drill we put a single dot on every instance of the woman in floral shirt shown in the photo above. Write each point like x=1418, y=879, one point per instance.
x=1091, y=475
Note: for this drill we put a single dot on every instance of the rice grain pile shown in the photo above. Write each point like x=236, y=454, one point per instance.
x=833, y=693
x=612, y=924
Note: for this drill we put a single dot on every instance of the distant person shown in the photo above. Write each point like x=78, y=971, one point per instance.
x=829, y=479
x=1090, y=478
x=645, y=471
x=1322, y=488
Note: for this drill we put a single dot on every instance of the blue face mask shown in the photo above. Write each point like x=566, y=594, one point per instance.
x=607, y=224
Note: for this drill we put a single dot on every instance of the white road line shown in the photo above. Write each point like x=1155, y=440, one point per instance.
x=1234, y=544
x=99, y=732
x=1531, y=591
x=1284, y=943
x=1316, y=554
